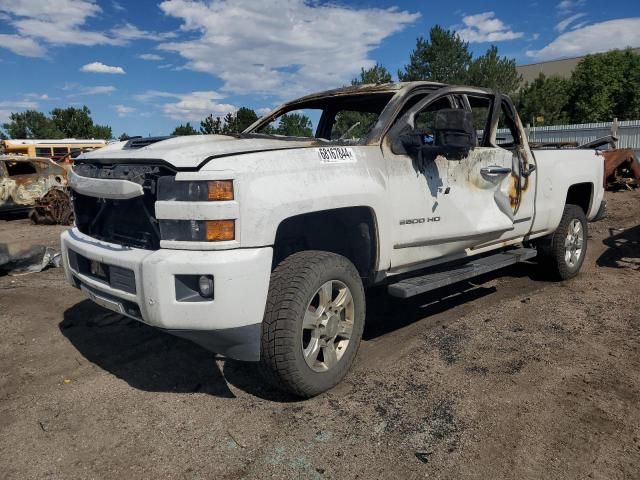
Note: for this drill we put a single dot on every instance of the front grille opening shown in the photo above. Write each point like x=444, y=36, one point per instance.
x=131, y=222
x=125, y=222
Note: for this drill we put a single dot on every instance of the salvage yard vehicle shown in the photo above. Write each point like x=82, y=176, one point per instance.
x=54, y=149
x=260, y=247
x=37, y=185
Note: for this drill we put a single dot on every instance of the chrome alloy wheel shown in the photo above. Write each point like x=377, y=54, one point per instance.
x=327, y=326
x=574, y=243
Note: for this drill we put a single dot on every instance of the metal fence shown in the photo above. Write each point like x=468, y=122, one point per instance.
x=628, y=133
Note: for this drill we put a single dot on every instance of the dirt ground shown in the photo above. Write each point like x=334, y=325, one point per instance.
x=509, y=377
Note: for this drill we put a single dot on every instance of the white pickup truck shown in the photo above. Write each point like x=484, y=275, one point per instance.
x=260, y=246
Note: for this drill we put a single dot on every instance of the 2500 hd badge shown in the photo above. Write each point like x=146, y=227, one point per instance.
x=412, y=221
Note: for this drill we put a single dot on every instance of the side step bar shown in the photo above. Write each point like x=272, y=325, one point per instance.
x=414, y=286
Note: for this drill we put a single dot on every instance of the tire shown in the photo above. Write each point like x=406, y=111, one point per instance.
x=564, y=251
x=299, y=293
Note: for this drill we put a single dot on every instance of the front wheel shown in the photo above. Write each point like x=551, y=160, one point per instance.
x=564, y=252
x=313, y=322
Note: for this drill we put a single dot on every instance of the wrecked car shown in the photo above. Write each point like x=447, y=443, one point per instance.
x=37, y=185
x=261, y=246
x=621, y=169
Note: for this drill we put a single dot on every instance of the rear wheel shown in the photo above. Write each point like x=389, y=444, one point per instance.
x=313, y=322
x=564, y=251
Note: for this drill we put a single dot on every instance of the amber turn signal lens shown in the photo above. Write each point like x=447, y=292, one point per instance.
x=221, y=230
x=220, y=190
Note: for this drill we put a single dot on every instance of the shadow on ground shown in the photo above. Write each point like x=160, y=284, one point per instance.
x=624, y=249
x=10, y=216
x=151, y=360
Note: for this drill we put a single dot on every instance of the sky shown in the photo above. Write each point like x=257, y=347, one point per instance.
x=145, y=66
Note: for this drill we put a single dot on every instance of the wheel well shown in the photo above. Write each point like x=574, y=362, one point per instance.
x=350, y=232
x=580, y=194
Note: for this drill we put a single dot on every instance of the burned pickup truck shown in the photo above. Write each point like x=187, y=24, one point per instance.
x=36, y=185
x=260, y=246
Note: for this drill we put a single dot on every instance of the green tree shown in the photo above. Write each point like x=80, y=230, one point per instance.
x=237, y=122
x=375, y=74
x=101, y=131
x=245, y=117
x=294, y=125
x=493, y=71
x=606, y=85
x=544, y=101
x=77, y=123
x=31, y=124
x=211, y=126
x=124, y=137
x=73, y=122
x=358, y=124
x=443, y=58
x=186, y=129
x=229, y=124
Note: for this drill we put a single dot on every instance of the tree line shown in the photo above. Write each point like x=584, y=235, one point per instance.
x=292, y=124
x=603, y=86
x=68, y=122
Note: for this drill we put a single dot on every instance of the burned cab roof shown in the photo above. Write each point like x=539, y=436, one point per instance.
x=392, y=88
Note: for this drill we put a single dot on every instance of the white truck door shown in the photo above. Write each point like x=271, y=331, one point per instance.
x=445, y=199
x=510, y=136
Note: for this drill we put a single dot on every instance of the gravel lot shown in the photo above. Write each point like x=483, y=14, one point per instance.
x=509, y=377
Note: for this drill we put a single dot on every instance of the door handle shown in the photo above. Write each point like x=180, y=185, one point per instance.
x=531, y=168
x=495, y=170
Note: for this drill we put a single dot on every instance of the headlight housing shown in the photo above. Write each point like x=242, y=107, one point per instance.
x=195, y=191
x=198, y=230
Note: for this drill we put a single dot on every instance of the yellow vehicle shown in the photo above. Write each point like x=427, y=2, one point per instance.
x=54, y=149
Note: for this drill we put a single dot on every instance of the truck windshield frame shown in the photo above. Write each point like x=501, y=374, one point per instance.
x=339, y=114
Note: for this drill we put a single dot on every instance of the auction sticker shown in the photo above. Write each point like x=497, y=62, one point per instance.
x=336, y=155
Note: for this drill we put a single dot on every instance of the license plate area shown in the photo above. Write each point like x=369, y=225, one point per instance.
x=116, y=277
x=99, y=271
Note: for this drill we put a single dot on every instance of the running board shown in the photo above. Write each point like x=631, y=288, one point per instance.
x=415, y=286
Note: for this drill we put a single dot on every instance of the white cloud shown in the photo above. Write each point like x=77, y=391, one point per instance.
x=128, y=32
x=39, y=96
x=7, y=107
x=190, y=107
x=79, y=90
x=598, y=37
x=98, y=67
x=281, y=47
x=485, y=27
x=566, y=6
x=117, y=7
x=123, y=110
x=197, y=105
x=564, y=24
x=39, y=24
x=155, y=94
x=150, y=56
x=19, y=104
x=26, y=47
x=55, y=22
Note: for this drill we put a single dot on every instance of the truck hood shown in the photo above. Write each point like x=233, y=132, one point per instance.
x=192, y=151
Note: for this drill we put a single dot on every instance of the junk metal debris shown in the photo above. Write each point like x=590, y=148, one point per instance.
x=35, y=184
x=18, y=259
x=621, y=169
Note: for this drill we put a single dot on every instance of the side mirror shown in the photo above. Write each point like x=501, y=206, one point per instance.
x=454, y=130
x=453, y=135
